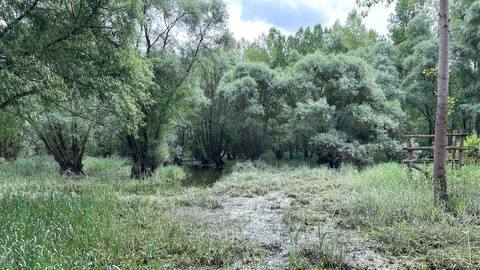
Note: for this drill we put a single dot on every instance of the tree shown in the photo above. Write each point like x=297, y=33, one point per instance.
x=276, y=45
x=69, y=60
x=11, y=135
x=420, y=83
x=336, y=39
x=466, y=61
x=203, y=24
x=356, y=34
x=36, y=34
x=405, y=11
x=250, y=90
x=340, y=113
x=439, y=172
x=209, y=125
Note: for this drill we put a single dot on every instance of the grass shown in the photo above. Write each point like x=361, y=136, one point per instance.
x=324, y=252
x=379, y=203
x=401, y=215
x=107, y=220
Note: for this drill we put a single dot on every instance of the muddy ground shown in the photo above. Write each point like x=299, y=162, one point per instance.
x=275, y=223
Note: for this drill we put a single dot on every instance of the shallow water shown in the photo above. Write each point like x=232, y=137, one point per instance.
x=202, y=176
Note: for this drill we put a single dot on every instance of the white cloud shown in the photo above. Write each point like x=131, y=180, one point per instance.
x=331, y=9
x=244, y=29
x=378, y=18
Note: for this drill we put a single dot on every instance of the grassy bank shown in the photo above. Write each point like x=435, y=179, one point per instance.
x=107, y=220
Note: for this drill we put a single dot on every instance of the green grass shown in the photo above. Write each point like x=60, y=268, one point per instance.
x=401, y=215
x=380, y=203
x=107, y=220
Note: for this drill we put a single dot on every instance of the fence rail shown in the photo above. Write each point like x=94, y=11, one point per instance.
x=455, y=147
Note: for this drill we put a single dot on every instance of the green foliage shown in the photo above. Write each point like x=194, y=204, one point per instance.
x=356, y=34
x=465, y=24
x=472, y=143
x=252, y=96
x=421, y=87
x=11, y=136
x=345, y=116
x=405, y=11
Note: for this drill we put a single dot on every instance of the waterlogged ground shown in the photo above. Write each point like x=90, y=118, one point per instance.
x=263, y=220
x=256, y=217
x=284, y=228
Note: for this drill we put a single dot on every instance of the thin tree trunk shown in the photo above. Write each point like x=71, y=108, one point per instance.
x=439, y=173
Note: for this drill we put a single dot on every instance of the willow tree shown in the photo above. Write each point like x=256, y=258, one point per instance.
x=173, y=35
x=340, y=113
x=65, y=64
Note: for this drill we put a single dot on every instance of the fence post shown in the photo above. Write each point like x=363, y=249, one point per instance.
x=460, y=151
x=454, y=147
x=410, y=156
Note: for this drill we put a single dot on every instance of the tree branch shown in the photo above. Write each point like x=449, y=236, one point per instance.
x=19, y=18
x=16, y=97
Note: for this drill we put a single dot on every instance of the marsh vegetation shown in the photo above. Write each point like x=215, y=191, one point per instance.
x=140, y=134
x=257, y=216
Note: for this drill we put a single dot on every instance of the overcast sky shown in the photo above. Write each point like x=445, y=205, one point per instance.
x=249, y=18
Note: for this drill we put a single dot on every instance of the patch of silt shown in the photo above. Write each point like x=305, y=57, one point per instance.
x=261, y=219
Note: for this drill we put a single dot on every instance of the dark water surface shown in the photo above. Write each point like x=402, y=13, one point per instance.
x=201, y=176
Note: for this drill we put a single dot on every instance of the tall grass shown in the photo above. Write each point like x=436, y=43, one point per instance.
x=401, y=214
x=57, y=231
x=381, y=203
x=107, y=220
x=102, y=221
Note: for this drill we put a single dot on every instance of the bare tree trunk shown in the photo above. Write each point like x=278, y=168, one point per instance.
x=439, y=173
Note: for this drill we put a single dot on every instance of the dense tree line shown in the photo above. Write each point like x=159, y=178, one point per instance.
x=164, y=81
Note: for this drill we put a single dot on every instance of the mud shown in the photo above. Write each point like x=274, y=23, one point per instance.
x=261, y=220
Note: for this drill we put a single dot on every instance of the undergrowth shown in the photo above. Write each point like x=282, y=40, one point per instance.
x=107, y=220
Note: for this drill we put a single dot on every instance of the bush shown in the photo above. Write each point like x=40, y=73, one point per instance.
x=472, y=143
x=333, y=149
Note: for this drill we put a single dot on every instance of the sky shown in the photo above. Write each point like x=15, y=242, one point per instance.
x=249, y=18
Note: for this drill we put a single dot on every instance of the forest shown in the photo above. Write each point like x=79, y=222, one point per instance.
x=112, y=113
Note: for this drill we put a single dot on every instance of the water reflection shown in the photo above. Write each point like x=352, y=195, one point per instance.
x=198, y=175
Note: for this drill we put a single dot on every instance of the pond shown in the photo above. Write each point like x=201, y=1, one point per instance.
x=202, y=176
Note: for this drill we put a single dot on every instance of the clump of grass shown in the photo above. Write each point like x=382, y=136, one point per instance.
x=198, y=197
x=28, y=167
x=325, y=252
x=249, y=183
x=112, y=168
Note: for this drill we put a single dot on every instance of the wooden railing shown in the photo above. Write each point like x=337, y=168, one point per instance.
x=456, y=147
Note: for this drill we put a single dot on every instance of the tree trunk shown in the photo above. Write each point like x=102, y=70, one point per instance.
x=278, y=153
x=144, y=161
x=143, y=168
x=66, y=142
x=218, y=161
x=70, y=167
x=439, y=173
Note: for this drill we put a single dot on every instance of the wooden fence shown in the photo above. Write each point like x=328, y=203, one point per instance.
x=455, y=146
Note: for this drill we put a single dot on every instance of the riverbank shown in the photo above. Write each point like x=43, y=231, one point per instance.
x=257, y=216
